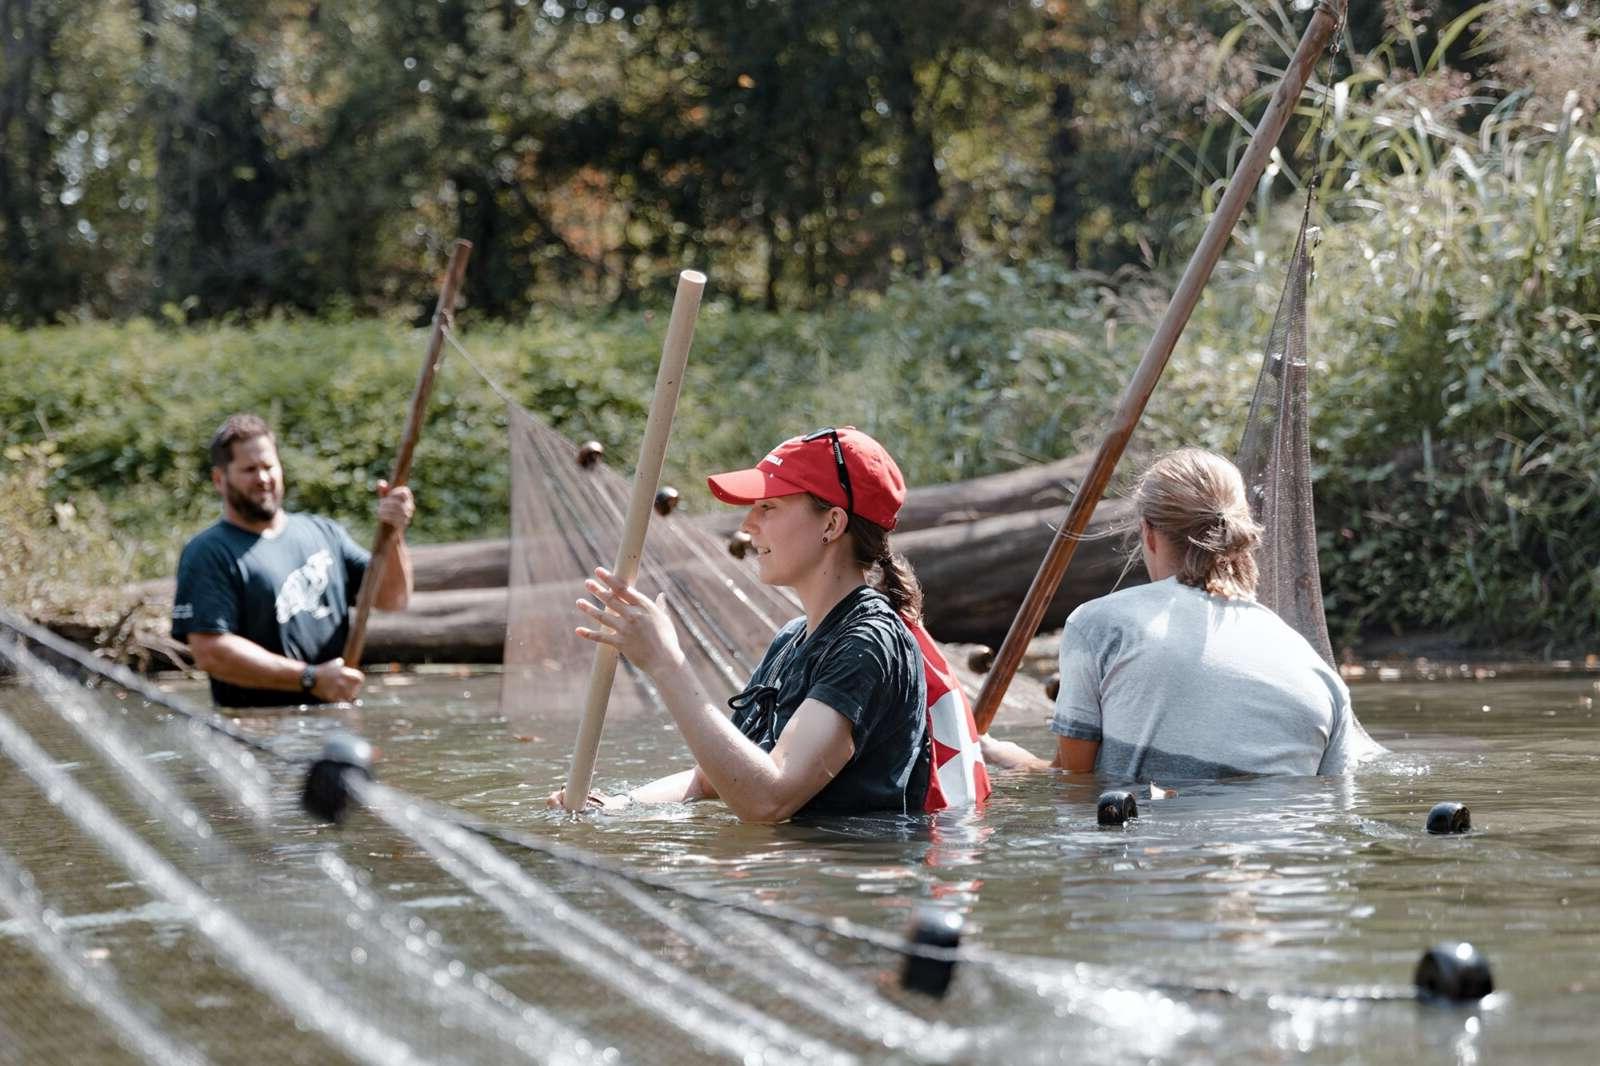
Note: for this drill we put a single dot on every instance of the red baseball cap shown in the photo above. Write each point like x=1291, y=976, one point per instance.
x=870, y=484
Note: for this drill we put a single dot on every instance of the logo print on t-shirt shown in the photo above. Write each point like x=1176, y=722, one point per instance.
x=303, y=589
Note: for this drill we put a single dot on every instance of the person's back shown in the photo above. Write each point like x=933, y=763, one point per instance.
x=1175, y=682
x=1189, y=677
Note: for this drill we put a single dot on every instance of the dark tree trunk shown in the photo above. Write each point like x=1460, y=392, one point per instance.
x=774, y=261
x=1065, y=211
x=19, y=47
x=37, y=281
x=933, y=236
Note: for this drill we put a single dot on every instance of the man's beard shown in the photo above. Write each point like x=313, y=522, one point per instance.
x=249, y=509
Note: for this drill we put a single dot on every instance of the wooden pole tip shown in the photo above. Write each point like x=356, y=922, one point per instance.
x=692, y=277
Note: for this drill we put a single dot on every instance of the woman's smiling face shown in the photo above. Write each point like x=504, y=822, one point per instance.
x=786, y=532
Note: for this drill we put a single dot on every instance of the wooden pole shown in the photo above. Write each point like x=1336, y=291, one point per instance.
x=1324, y=20
x=355, y=643
x=647, y=475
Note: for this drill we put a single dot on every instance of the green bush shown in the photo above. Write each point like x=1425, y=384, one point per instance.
x=61, y=552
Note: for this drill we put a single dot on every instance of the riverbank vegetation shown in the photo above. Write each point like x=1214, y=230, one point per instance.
x=1454, y=315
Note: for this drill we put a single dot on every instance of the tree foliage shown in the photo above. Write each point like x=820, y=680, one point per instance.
x=222, y=156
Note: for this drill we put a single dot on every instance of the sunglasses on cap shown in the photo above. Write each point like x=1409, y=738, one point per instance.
x=838, y=461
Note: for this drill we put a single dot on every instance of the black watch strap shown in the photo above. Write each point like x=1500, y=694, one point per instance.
x=308, y=678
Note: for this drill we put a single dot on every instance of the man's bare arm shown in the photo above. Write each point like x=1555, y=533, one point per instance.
x=395, y=508
x=241, y=661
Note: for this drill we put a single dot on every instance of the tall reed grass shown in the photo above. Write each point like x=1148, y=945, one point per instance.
x=1459, y=318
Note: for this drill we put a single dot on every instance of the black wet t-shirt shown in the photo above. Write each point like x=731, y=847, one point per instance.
x=863, y=662
x=290, y=592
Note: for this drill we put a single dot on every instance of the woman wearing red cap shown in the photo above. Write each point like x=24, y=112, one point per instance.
x=834, y=720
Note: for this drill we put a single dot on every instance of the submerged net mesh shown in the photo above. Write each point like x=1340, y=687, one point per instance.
x=164, y=899
x=1275, y=458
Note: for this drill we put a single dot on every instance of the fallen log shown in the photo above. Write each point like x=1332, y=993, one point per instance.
x=467, y=564
x=975, y=545
x=973, y=574
x=483, y=564
x=455, y=626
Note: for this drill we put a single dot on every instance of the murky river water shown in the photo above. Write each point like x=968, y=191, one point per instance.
x=1274, y=886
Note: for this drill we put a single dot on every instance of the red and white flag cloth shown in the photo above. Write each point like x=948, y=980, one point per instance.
x=959, y=777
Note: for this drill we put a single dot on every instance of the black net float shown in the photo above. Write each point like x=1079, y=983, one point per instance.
x=1449, y=818
x=325, y=795
x=666, y=500
x=590, y=452
x=980, y=659
x=1454, y=973
x=739, y=544
x=1115, y=808
x=935, y=927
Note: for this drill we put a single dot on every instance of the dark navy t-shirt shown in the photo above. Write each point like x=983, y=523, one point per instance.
x=863, y=662
x=291, y=593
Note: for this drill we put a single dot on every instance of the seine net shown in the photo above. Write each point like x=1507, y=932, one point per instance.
x=566, y=518
x=164, y=899
x=1275, y=459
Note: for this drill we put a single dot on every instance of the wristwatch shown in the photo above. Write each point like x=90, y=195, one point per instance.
x=308, y=677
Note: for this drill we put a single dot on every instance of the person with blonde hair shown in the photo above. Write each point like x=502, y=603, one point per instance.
x=1188, y=676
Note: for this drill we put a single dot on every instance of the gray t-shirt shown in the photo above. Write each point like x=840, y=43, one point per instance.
x=1177, y=683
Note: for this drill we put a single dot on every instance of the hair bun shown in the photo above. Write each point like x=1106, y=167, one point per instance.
x=1198, y=498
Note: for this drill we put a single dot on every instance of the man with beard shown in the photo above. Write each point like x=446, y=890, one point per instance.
x=264, y=596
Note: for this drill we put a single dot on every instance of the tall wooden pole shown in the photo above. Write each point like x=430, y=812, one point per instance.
x=356, y=642
x=1324, y=21
x=652, y=454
